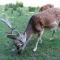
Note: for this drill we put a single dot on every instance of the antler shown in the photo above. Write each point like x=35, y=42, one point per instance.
x=7, y=22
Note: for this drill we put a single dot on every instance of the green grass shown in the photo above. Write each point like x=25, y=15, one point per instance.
x=48, y=50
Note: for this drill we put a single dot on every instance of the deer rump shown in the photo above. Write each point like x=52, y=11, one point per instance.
x=45, y=7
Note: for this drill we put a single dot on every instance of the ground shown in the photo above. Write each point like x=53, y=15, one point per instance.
x=48, y=50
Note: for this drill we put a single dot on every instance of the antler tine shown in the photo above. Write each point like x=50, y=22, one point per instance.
x=17, y=33
x=6, y=21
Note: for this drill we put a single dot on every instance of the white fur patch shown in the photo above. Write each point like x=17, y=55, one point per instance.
x=34, y=49
x=55, y=22
x=22, y=37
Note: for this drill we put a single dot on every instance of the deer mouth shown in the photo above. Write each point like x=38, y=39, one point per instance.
x=19, y=48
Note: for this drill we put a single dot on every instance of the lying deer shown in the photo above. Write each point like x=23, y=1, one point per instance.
x=49, y=19
x=47, y=6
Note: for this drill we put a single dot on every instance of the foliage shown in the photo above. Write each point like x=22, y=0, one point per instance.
x=14, y=6
x=32, y=9
x=20, y=11
x=19, y=4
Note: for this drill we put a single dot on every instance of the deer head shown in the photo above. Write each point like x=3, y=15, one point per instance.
x=19, y=40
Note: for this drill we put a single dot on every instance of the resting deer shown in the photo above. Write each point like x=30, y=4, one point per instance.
x=49, y=19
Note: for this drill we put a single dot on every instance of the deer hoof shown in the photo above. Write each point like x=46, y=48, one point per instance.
x=34, y=50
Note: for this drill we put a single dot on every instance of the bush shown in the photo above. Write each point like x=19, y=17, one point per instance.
x=19, y=4
x=20, y=11
x=14, y=6
x=7, y=6
x=31, y=9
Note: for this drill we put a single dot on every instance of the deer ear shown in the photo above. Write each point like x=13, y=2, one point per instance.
x=11, y=36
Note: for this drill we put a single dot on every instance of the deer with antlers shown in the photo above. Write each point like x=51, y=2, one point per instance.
x=49, y=19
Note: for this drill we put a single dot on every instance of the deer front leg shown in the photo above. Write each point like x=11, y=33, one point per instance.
x=26, y=42
x=39, y=39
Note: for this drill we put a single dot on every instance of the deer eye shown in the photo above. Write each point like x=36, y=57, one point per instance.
x=20, y=41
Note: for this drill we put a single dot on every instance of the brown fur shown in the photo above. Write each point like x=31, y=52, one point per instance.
x=42, y=20
x=47, y=6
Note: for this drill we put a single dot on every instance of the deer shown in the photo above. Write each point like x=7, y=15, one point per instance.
x=47, y=6
x=48, y=19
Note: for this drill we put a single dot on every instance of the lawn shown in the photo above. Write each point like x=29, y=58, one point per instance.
x=48, y=50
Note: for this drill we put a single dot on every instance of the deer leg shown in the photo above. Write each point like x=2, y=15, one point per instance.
x=53, y=34
x=54, y=28
x=39, y=39
x=26, y=43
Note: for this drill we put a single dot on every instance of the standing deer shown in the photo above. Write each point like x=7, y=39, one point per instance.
x=47, y=6
x=49, y=19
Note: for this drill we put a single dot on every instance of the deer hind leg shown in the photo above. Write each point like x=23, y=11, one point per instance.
x=39, y=39
x=53, y=33
x=54, y=28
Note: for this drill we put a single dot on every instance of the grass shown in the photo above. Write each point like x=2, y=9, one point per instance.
x=48, y=50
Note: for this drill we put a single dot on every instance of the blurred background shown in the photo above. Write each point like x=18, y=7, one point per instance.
x=33, y=3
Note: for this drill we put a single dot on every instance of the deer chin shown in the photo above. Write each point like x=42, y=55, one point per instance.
x=20, y=48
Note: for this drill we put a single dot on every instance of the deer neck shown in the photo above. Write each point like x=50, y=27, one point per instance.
x=29, y=31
